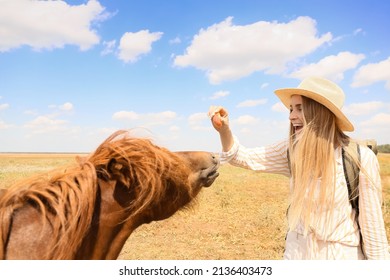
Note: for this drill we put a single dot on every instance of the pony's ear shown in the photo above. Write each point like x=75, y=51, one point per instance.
x=114, y=166
x=117, y=171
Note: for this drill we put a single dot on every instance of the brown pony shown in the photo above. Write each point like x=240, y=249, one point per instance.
x=87, y=211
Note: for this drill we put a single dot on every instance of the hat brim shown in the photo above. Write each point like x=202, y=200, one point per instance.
x=285, y=96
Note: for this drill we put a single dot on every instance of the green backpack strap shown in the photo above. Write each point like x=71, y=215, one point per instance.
x=351, y=174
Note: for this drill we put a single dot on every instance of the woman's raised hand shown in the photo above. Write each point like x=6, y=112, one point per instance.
x=219, y=117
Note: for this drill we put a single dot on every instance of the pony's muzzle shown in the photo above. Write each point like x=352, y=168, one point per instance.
x=211, y=173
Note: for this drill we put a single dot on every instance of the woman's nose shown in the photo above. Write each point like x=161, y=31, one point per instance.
x=292, y=116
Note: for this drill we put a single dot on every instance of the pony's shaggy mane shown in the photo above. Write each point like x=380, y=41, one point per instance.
x=66, y=198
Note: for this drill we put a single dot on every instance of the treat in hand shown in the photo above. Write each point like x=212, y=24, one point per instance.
x=216, y=119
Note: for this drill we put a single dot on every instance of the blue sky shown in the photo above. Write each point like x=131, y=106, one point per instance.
x=73, y=72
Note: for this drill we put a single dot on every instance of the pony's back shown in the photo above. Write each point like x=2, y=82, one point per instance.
x=46, y=216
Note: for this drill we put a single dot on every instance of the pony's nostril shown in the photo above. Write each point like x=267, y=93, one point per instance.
x=215, y=157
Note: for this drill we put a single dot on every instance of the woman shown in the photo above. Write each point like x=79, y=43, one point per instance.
x=322, y=223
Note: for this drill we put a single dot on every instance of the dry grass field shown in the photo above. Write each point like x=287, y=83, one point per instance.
x=241, y=216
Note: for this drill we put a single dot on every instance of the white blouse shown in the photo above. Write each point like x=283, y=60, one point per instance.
x=344, y=229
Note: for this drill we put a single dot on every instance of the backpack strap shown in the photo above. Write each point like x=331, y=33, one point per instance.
x=351, y=174
x=288, y=159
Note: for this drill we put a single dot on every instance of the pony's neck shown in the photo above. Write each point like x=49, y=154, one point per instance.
x=107, y=236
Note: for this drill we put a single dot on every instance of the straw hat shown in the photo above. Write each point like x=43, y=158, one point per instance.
x=324, y=92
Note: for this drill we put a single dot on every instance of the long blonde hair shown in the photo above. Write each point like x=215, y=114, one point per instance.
x=313, y=166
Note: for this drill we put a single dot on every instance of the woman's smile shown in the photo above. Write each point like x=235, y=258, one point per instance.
x=296, y=113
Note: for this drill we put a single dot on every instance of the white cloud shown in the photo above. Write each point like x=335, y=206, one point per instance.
x=279, y=107
x=4, y=125
x=245, y=120
x=44, y=120
x=201, y=127
x=357, y=31
x=66, y=107
x=148, y=119
x=31, y=112
x=227, y=52
x=371, y=73
x=109, y=47
x=133, y=45
x=331, y=67
x=220, y=94
x=197, y=118
x=264, y=85
x=162, y=117
x=126, y=115
x=379, y=120
x=104, y=131
x=48, y=24
x=358, y=109
x=44, y=124
x=174, y=128
x=4, y=106
x=175, y=41
x=199, y=121
x=375, y=126
x=252, y=103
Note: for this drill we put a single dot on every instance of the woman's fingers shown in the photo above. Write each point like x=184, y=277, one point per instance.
x=218, y=116
x=216, y=119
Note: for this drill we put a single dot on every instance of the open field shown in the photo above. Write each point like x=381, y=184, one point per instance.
x=241, y=216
